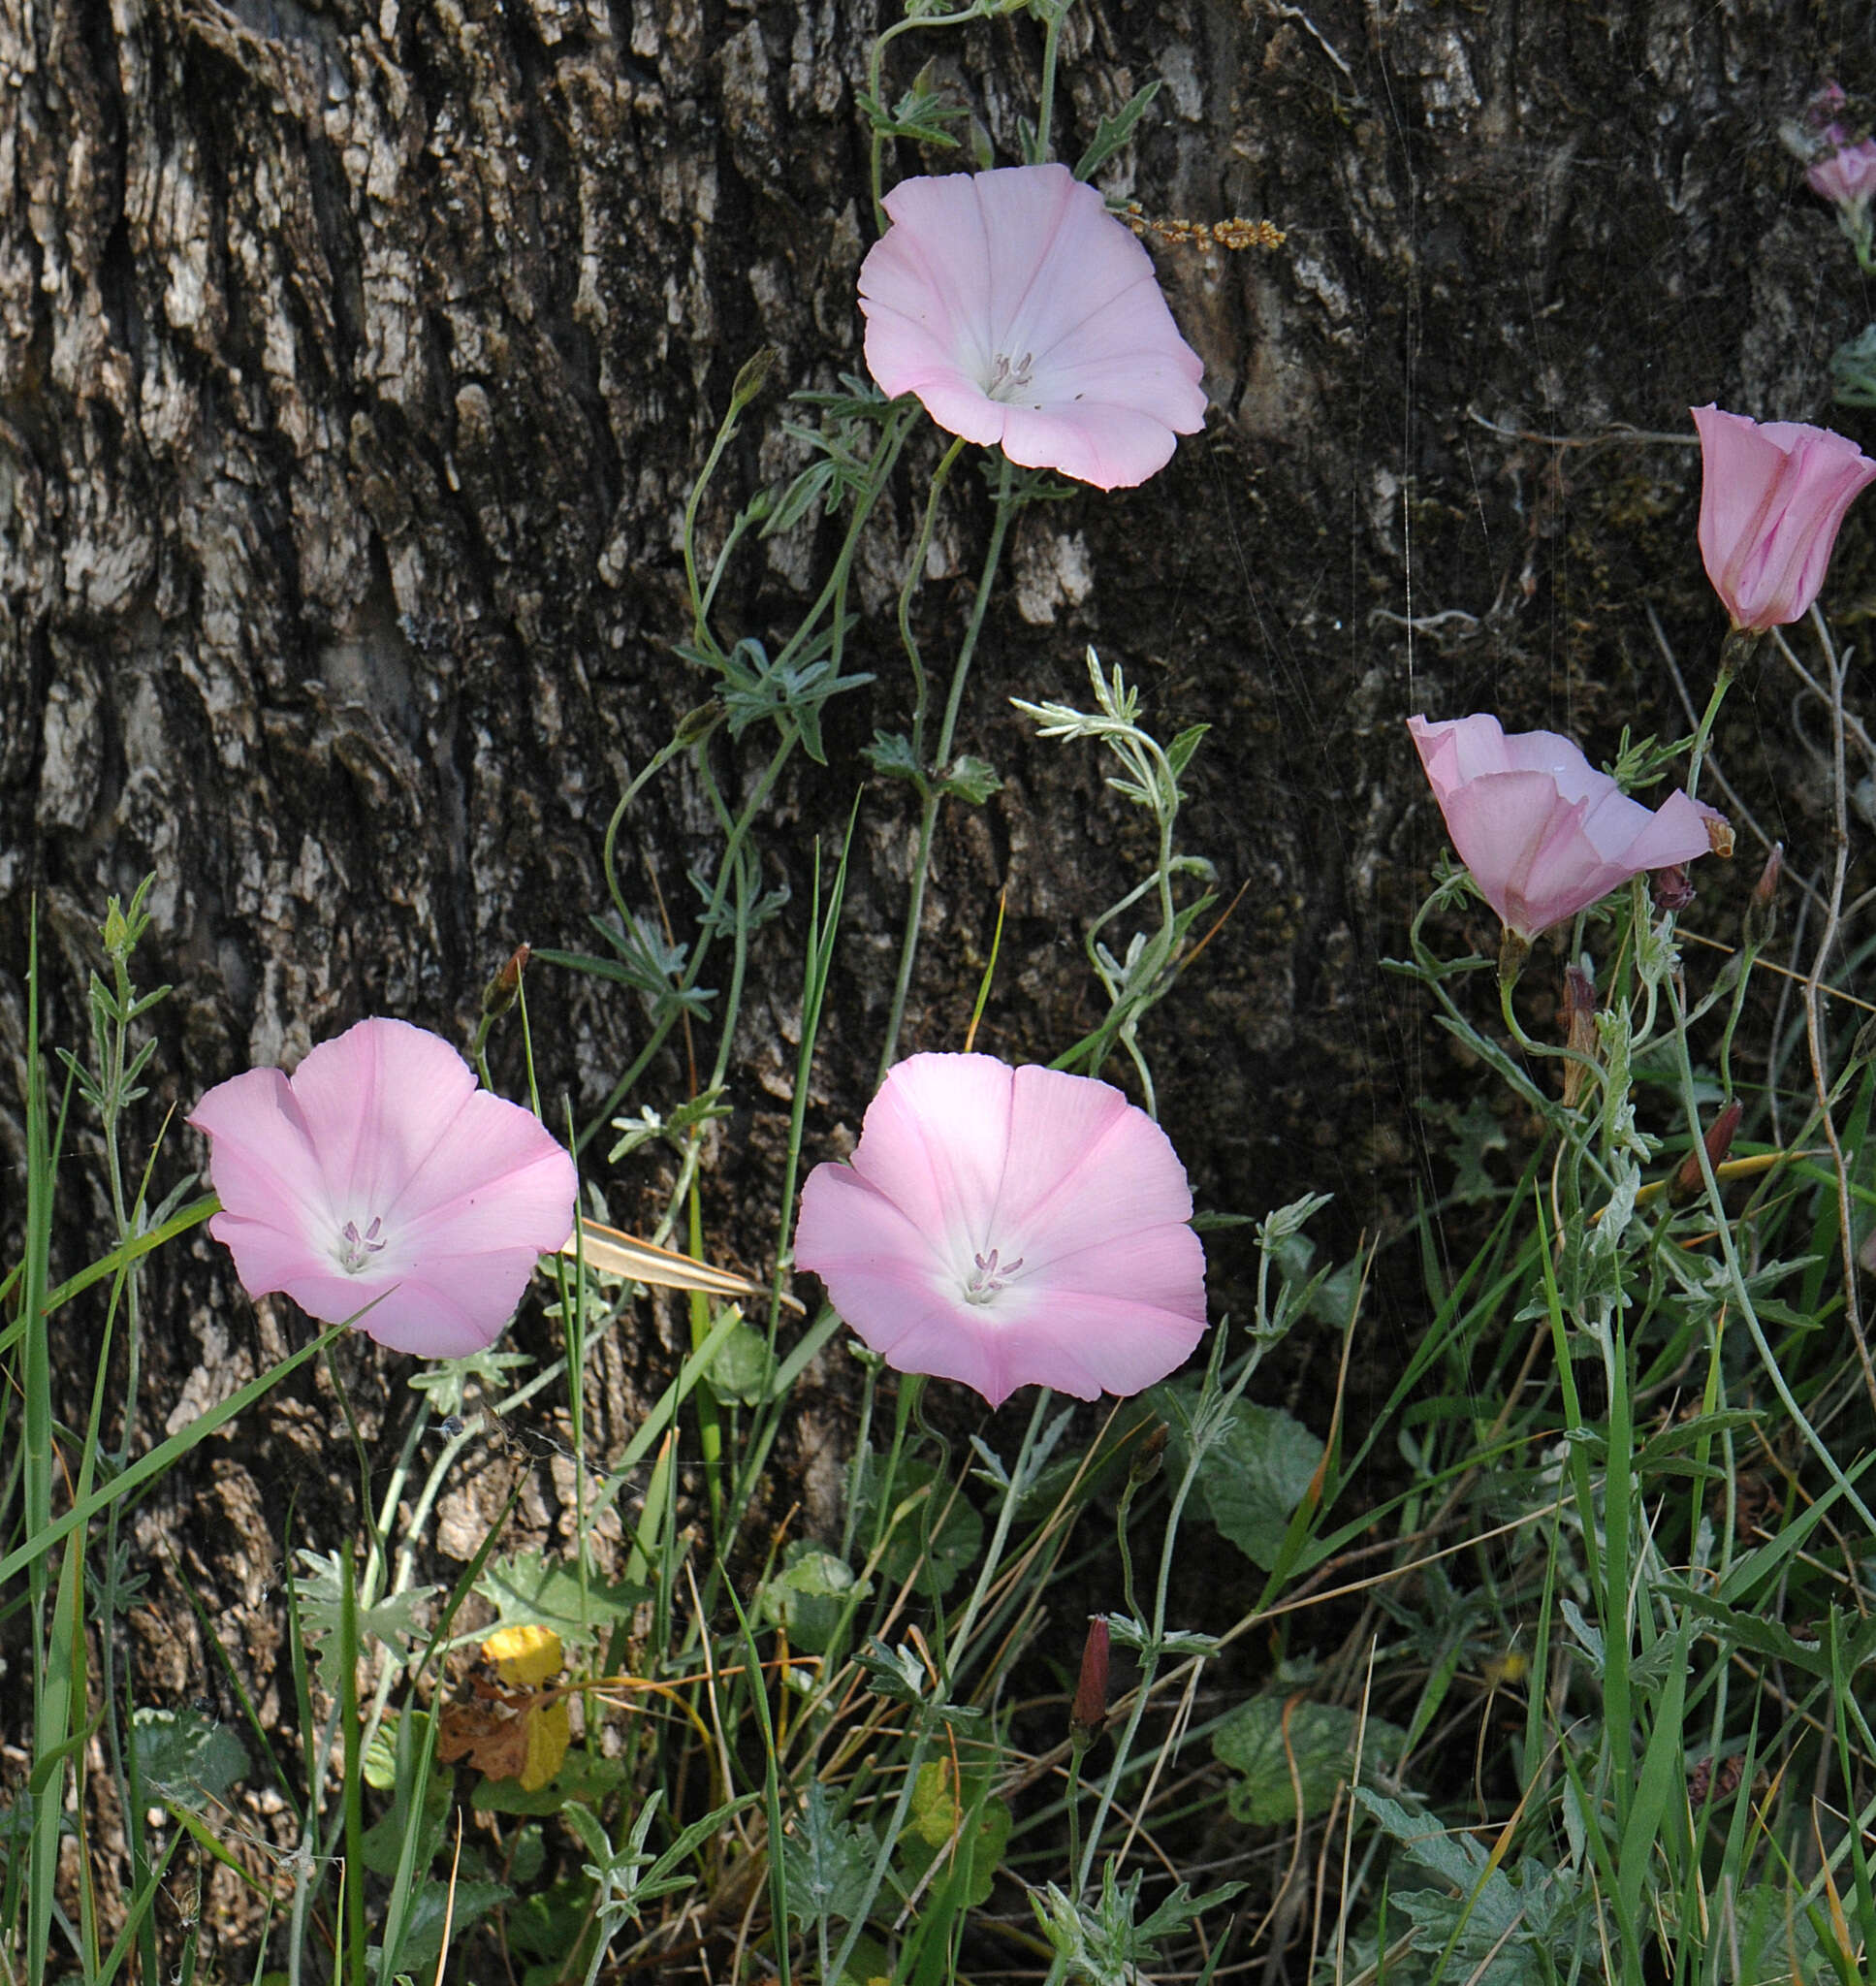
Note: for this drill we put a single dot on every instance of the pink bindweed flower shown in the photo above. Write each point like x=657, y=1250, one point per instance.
x=1845, y=177
x=1010, y=1227
x=1772, y=496
x=1021, y=311
x=380, y=1171
x=1544, y=833
x=1838, y=168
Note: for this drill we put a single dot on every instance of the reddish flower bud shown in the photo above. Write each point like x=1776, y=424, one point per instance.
x=1579, y=1026
x=1088, y=1711
x=499, y=994
x=1762, y=906
x=1686, y=1186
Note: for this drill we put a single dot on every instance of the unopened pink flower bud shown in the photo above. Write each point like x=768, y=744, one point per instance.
x=1088, y=1711
x=1687, y=1184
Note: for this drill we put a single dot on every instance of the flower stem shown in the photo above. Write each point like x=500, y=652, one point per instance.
x=1045, y=97
x=1555, y=1049
x=916, y=566
x=933, y=796
x=1734, y=650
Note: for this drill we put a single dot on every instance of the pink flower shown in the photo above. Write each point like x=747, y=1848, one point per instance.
x=380, y=1171
x=1847, y=176
x=1772, y=496
x=1010, y=1227
x=1543, y=834
x=1021, y=311
x=1838, y=168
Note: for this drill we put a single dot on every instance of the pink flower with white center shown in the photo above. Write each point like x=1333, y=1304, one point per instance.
x=1773, y=495
x=1545, y=834
x=1021, y=311
x=1010, y=1227
x=380, y=1171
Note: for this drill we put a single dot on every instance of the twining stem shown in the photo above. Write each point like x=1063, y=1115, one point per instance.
x=1006, y=509
x=1555, y=1050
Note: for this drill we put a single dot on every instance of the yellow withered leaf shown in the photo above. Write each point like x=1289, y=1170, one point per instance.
x=525, y=1656
x=617, y=1254
x=549, y=1734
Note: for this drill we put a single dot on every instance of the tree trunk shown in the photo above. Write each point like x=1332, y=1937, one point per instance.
x=357, y=363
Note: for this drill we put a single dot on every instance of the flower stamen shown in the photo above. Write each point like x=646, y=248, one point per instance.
x=988, y=1277
x=1009, y=376
x=359, y=1248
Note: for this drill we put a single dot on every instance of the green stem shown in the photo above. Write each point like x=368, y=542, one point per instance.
x=1742, y=1296
x=1045, y=99
x=914, y=570
x=1734, y=650
x=934, y=798
x=1555, y=1049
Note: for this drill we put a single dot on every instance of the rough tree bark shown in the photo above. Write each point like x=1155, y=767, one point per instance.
x=354, y=360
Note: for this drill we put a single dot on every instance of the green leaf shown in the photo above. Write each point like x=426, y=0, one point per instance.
x=744, y=1367
x=827, y=1863
x=1179, y=752
x=958, y=1533
x=431, y=1908
x=812, y=485
x=1259, y=1740
x=937, y=1812
x=186, y=1758
x=395, y=1619
x=890, y=755
x=1112, y=133
x=971, y=779
x=584, y=1778
x=1491, y=1910
x=1253, y=1476
x=525, y=1590
x=384, y=1840
x=808, y=1596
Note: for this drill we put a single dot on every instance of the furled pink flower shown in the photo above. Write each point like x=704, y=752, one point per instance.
x=1846, y=175
x=1021, y=311
x=1010, y=1227
x=1544, y=833
x=380, y=1171
x=1838, y=168
x=1772, y=496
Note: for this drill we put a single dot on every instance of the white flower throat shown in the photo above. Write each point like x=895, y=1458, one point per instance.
x=356, y=1250
x=1011, y=378
x=988, y=1277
